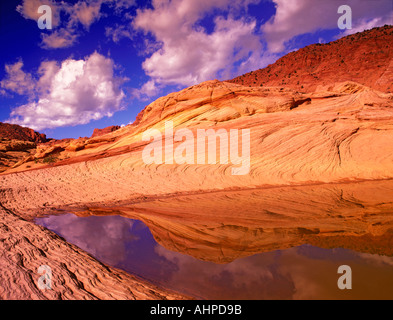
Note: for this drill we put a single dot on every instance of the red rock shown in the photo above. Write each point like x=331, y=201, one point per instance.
x=15, y=132
x=365, y=58
x=101, y=132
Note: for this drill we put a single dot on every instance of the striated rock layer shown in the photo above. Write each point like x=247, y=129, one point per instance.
x=336, y=136
x=324, y=136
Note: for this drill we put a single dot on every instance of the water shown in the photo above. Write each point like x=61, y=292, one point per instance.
x=303, y=272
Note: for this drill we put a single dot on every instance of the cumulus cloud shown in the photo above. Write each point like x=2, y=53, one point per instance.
x=17, y=80
x=75, y=92
x=46, y=72
x=184, y=53
x=299, y=17
x=189, y=54
x=179, y=50
x=149, y=89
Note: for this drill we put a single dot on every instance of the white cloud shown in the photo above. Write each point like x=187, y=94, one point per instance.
x=297, y=17
x=121, y=5
x=60, y=38
x=65, y=31
x=183, y=52
x=29, y=10
x=366, y=24
x=85, y=13
x=77, y=92
x=149, y=89
x=17, y=80
x=118, y=32
x=189, y=54
x=46, y=72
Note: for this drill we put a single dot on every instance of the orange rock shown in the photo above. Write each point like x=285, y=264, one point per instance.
x=13, y=131
x=100, y=132
x=366, y=58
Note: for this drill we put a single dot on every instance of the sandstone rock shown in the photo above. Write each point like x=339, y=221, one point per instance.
x=100, y=132
x=49, y=151
x=12, y=152
x=15, y=132
x=365, y=58
x=75, y=146
x=16, y=145
x=24, y=246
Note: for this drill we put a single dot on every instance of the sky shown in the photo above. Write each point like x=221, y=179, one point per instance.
x=97, y=63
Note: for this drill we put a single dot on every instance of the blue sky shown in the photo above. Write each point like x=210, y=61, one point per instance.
x=103, y=61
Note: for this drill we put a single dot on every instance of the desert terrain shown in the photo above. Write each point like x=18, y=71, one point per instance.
x=321, y=170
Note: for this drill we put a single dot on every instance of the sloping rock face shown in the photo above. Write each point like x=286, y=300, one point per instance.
x=343, y=132
x=101, y=132
x=366, y=58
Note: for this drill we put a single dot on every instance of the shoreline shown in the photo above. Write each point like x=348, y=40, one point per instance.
x=25, y=247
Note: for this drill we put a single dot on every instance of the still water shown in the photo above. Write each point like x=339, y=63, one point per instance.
x=303, y=272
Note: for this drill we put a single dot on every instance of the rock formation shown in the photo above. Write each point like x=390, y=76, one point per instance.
x=365, y=58
x=16, y=144
x=321, y=165
x=101, y=132
x=15, y=132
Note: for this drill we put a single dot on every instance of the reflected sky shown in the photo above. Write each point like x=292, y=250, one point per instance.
x=304, y=272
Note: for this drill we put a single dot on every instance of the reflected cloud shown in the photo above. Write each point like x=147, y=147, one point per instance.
x=103, y=237
x=302, y=272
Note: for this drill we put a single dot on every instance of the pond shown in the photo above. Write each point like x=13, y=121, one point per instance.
x=302, y=272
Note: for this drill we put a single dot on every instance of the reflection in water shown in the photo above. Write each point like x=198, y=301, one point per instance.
x=303, y=272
